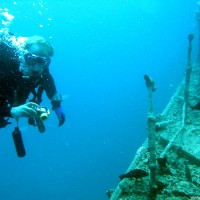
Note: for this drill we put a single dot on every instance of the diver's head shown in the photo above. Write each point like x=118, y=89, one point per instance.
x=36, y=57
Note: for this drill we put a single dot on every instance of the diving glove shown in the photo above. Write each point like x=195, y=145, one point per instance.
x=61, y=116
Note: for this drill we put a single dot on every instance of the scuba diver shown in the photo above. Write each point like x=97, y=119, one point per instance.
x=24, y=70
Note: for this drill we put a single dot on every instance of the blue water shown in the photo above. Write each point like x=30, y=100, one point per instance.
x=102, y=50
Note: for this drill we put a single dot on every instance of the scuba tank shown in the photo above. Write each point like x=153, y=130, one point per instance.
x=18, y=141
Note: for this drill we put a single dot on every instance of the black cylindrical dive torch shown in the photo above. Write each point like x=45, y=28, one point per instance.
x=18, y=141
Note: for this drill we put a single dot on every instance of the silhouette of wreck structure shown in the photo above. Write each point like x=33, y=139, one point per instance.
x=167, y=165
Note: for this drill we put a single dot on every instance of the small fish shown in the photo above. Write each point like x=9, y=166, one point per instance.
x=135, y=173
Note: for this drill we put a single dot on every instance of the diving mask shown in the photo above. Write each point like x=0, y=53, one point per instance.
x=33, y=65
x=33, y=60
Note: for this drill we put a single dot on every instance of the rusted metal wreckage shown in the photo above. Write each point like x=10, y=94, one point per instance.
x=167, y=165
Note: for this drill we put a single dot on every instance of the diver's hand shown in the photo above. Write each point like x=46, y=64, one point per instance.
x=61, y=116
x=24, y=110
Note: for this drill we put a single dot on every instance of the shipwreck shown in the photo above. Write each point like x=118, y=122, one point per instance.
x=167, y=165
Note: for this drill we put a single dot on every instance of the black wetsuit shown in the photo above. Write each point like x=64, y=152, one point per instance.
x=14, y=89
